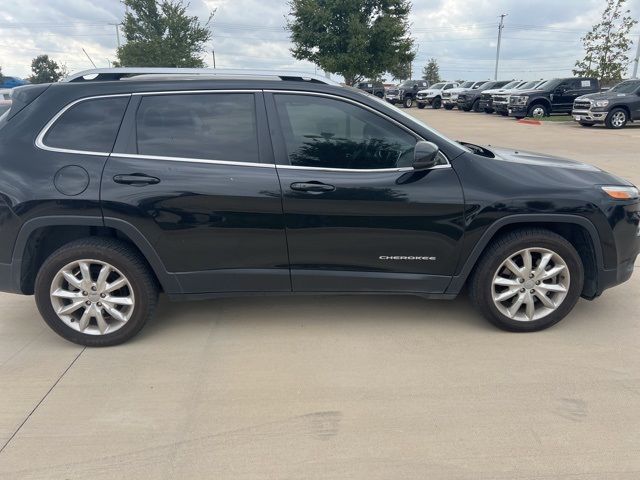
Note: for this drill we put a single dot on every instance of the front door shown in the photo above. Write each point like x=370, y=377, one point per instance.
x=358, y=217
x=194, y=174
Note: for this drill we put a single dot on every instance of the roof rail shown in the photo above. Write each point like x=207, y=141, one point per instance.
x=109, y=74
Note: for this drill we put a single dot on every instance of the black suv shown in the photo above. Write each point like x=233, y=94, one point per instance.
x=615, y=107
x=470, y=99
x=200, y=185
x=553, y=96
x=374, y=88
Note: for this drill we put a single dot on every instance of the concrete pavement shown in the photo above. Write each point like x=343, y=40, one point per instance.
x=338, y=387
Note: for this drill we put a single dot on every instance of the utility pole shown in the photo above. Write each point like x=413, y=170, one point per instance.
x=117, y=25
x=500, y=27
x=213, y=54
x=637, y=60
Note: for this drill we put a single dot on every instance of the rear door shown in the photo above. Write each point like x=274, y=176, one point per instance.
x=358, y=217
x=193, y=172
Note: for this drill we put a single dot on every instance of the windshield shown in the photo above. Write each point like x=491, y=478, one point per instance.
x=478, y=84
x=529, y=85
x=550, y=84
x=437, y=86
x=407, y=85
x=513, y=84
x=629, y=86
x=467, y=84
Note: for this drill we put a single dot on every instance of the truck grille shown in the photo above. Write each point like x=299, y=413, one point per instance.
x=393, y=91
x=446, y=94
x=582, y=105
x=486, y=96
x=462, y=96
x=500, y=99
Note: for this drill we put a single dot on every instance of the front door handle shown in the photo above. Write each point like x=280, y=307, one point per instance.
x=312, y=186
x=136, y=179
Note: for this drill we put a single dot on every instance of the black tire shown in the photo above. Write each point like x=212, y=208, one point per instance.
x=120, y=256
x=480, y=288
x=408, y=102
x=466, y=109
x=587, y=124
x=476, y=106
x=488, y=110
x=420, y=105
x=617, y=118
x=448, y=107
x=379, y=94
x=436, y=103
x=504, y=114
x=538, y=107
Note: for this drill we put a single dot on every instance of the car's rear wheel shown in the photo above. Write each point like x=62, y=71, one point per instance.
x=617, y=118
x=95, y=292
x=527, y=280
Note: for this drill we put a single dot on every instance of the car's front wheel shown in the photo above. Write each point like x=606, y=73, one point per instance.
x=617, y=118
x=408, y=102
x=527, y=280
x=436, y=103
x=95, y=292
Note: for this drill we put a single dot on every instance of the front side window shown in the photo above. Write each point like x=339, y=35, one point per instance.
x=212, y=126
x=89, y=126
x=329, y=133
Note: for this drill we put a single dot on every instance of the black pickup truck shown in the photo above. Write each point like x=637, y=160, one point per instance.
x=554, y=96
x=374, y=88
x=615, y=108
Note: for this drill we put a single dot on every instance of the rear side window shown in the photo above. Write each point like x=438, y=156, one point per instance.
x=89, y=126
x=213, y=126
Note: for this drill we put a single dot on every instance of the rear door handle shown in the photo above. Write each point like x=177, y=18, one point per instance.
x=136, y=179
x=312, y=186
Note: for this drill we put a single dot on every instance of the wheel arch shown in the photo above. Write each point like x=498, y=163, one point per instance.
x=39, y=237
x=578, y=230
x=540, y=101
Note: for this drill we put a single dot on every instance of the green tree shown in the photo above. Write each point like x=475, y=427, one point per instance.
x=159, y=33
x=607, y=45
x=46, y=70
x=401, y=71
x=431, y=71
x=356, y=38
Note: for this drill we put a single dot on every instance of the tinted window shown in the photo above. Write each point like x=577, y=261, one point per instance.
x=322, y=132
x=214, y=126
x=90, y=126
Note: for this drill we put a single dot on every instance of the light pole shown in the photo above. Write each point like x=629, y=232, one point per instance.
x=500, y=27
x=637, y=60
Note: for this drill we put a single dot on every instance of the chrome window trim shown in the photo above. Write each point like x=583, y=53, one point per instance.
x=375, y=112
x=41, y=145
x=192, y=160
x=40, y=138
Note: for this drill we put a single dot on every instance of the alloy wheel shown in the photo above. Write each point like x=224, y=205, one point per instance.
x=92, y=297
x=618, y=119
x=530, y=284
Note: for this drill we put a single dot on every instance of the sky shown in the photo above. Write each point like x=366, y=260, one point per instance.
x=541, y=38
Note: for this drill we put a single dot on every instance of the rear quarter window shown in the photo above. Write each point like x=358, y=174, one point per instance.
x=89, y=126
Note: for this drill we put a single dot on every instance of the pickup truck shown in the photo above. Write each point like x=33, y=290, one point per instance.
x=554, y=96
x=486, y=99
x=501, y=100
x=406, y=92
x=433, y=95
x=450, y=97
x=374, y=88
x=615, y=107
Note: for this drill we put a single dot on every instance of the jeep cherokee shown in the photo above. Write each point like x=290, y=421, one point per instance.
x=202, y=184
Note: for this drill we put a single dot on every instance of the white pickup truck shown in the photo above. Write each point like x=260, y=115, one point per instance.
x=450, y=97
x=433, y=94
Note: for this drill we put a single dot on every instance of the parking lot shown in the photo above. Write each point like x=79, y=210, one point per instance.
x=339, y=387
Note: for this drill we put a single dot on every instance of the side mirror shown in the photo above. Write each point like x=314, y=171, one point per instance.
x=425, y=155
